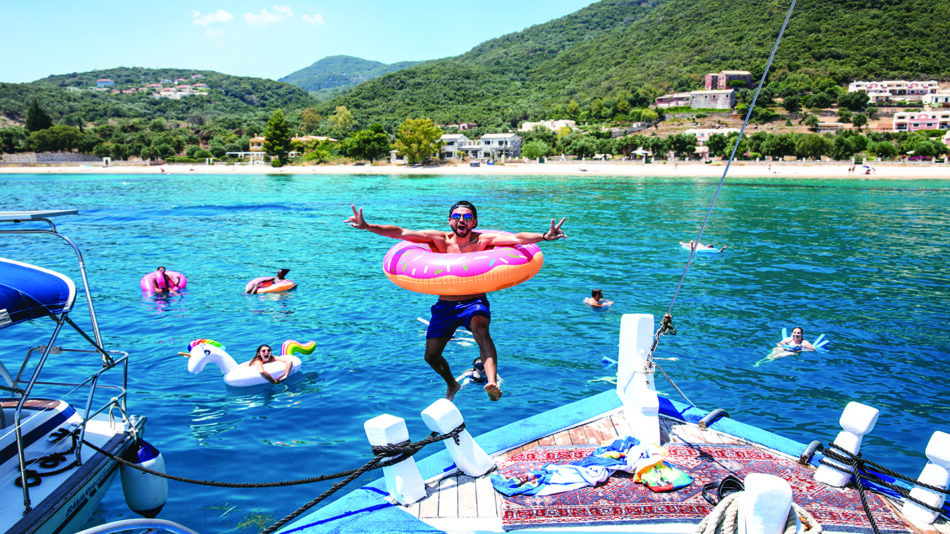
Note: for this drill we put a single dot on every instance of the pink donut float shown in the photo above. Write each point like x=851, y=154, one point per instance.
x=414, y=266
x=154, y=279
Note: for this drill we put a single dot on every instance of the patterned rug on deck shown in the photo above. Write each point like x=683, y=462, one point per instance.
x=620, y=500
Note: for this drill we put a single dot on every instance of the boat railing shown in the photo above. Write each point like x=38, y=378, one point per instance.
x=23, y=387
x=27, y=216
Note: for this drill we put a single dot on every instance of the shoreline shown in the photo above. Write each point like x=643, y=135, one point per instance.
x=833, y=170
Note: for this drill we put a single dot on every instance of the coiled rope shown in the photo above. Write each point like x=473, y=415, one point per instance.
x=395, y=454
x=724, y=518
x=668, y=318
x=860, y=472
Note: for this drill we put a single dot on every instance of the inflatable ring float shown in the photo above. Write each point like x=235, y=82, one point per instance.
x=272, y=287
x=414, y=266
x=201, y=352
x=150, y=280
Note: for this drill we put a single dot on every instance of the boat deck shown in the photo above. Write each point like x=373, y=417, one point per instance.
x=457, y=502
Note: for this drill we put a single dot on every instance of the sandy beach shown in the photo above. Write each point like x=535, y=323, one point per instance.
x=886, y=170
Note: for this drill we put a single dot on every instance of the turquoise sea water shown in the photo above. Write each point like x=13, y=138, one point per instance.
x=863, y=262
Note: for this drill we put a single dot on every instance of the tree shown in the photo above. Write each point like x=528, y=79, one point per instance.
x=277, y=138
x=792, y=103
x=683, y=145
x=13, y=138
x=418, y=139
x=371, y=144
x=37, y=118
x=342, y=119
x=855, y=101
x=535, y=149
x=311, y=119
x=859, y=120
x=56, y=138
x=813, y=146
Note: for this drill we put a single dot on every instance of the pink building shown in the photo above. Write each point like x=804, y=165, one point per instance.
x=895, y=90
x=720, y=80
x=911, y=121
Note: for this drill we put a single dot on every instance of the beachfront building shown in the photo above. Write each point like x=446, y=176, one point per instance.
x=456, y=146
x=724, y=80
x=256, y=146
x=703, y=134
x=488, y=146
x=911, y=121
x=554, y=126
x=895, y=90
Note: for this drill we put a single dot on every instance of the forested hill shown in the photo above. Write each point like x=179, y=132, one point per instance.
x=72, y=97
x=334, y=75
x=658, y=46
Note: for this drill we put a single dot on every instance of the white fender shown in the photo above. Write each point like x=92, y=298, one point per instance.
x=144, y=493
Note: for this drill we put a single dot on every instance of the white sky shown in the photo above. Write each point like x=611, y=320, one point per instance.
x=244, y=38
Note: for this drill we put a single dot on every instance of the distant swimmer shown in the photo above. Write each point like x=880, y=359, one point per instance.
x=596, y=299
x=699, y=246
x=453, y=311
x=796, y=341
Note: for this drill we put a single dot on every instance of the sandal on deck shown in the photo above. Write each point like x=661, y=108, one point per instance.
x=714, y=492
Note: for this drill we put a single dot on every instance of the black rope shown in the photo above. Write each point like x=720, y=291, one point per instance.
x=860, y=473
x=396, y=453
x=33, y=478
x=413, y=447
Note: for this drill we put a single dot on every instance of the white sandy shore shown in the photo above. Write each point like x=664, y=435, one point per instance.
x=911, y=171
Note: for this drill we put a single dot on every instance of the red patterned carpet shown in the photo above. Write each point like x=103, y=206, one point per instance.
x=620, y=500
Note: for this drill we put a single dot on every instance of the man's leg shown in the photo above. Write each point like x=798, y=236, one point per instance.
x=486, y=349
x=434, y=348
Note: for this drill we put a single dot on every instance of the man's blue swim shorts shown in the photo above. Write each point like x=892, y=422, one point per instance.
x=448, y=315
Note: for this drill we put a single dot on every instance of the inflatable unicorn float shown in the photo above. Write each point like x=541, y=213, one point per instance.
x=204, y=351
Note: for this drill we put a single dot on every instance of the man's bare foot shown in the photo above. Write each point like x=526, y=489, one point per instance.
x=494, y=392
x=452, y=390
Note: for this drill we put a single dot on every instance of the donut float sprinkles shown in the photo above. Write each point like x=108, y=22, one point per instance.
x=414, y=266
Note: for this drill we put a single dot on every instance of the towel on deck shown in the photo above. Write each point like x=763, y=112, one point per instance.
x=645, y=463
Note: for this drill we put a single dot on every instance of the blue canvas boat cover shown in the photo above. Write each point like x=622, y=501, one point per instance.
x=28, y=292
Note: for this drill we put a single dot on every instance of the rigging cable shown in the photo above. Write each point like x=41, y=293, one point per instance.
x=667, y=319
x=732, y=156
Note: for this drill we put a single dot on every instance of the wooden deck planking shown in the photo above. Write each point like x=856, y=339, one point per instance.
x=577, y=435
x=448, y=497
x=486, y=498
x=467, y=505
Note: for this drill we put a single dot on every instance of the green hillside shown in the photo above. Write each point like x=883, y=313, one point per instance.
x=335, y=75
x=610, y=53
x=72, y=96
x=655, y=46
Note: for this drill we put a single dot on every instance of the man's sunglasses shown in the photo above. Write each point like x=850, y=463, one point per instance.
x=464, y=216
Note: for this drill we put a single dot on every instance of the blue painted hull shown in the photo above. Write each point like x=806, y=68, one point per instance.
x=29, y=292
